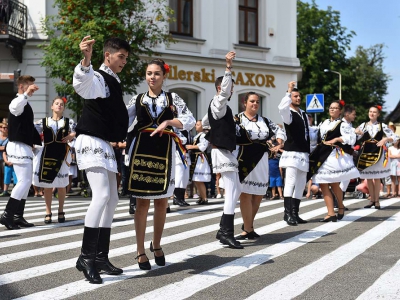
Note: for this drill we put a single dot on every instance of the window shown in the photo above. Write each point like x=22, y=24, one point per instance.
x=248, y=22
x=183, y=15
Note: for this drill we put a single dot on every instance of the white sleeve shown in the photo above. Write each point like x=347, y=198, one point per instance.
x=284, y=109
x=389, y=133
x=131, y=107
x=185, y=116
x=279, y=132
x=220, y=102
x=87, y=83
x=39, y=126
x=203, y=143
x=18, y=104
x=347, y=134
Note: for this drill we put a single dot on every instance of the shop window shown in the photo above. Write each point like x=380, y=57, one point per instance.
x=183, y=15
x=248, y=22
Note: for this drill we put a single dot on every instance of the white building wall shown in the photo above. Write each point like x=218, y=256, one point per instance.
x=215, y=33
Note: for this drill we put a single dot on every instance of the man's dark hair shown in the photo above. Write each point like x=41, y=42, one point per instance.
x=218, y=82
x=114, y=44
x=25, y=79
x=348, y=109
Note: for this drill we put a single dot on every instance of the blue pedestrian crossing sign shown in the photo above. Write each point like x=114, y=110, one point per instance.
x=315, y=103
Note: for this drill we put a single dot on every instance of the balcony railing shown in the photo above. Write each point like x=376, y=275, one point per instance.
x=13, y=26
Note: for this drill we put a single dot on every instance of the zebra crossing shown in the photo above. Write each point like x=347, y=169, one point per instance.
x=355, y=258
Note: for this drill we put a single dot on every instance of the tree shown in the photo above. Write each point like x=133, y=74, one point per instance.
x=139, y=22
x=366, y=80
x=321, y=44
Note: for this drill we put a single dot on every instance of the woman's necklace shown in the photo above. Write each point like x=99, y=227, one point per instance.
x=153, y=102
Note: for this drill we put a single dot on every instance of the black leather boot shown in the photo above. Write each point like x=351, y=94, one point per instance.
x=288, y=217
x=86, y=261
x=179, y=197
x=7, y=218
x=219, y=233
x=296, y=203
x=226, y=232
x=19, y=215
x=183, y=191
x=103, y=247
x=132, y=205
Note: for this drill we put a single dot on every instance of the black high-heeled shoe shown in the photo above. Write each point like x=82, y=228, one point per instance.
x=143, y=265
x=48, y=221
x=329, y=219
x=247, y=236
x=377, y=205
x=61, y=217
x=160, y=260
x=255, y=234
x=370, y=204
x=340, y=216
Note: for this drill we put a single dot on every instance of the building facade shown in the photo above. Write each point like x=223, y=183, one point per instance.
x=261, y=32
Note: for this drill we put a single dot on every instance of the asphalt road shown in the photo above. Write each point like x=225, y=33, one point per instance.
x=355, y=258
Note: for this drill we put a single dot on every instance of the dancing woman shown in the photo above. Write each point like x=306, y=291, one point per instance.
x=51, y=162
x=372, y=160
x=332, y=161
x=200, y=171
x=152, y=144
x=253, y=155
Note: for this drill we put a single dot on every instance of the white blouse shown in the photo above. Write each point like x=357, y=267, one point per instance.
x=373, y=129
x=155, y=107
x=258, y=130
x=55, y=125
x=202, y=143
x=346, y=130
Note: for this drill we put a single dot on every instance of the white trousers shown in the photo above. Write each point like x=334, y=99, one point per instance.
x=232, y=188
x=104, y=197
x=24, y=176
x=181, y=176
x=295, y=181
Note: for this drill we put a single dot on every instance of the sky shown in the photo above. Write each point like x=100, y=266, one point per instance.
x=374, y=22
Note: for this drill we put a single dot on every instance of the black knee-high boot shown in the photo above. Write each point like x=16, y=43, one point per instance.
x=296, y=211
x=132, y=205
x=19, y=215
x=103, y=248
x=288, y=216
x=179, y=197
x=225, y=233
x=86, y=261
x=183, y=191
x=7, y=218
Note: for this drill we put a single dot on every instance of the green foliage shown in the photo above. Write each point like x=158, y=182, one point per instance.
x=322, y=43
x=143, y=23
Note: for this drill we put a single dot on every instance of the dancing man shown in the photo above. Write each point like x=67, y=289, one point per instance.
x=295, y=156
x=223, y=138
x=104, y=119
x=22, y=136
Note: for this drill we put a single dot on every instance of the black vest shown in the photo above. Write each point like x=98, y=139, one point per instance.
x=145, y=119
x=105, y=118
x=295, y=133
x=21, y=128
x=223, y=131
x=48, y=133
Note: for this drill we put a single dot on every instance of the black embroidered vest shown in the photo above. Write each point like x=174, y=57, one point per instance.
x=21, y=128
x=295, y=133
x=223, y=131
x=48, y=133
x=105, y=118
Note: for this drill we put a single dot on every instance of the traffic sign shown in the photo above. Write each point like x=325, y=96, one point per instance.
x=315, y=103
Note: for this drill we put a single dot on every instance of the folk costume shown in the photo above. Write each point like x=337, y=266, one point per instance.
x=182, y=170
x=22, y=136
x=200, y=169
x=51, y=162
x=294, y=158
x=373, y=161
x=152, y=159
x=223, y=138
x=330, y=164
x=104, y=119
x=253, y=152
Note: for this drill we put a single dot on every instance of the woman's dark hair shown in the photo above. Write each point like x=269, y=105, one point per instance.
x=246, y=97
x=159, y=62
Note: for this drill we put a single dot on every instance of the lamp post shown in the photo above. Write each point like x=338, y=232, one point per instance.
x=340, y=81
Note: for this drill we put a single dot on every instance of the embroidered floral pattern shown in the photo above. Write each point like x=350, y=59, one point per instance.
x=255, y=183
x=226, y=165
x=294, y=157
x=337, y=171
x=96, y=151
x=19, y=157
